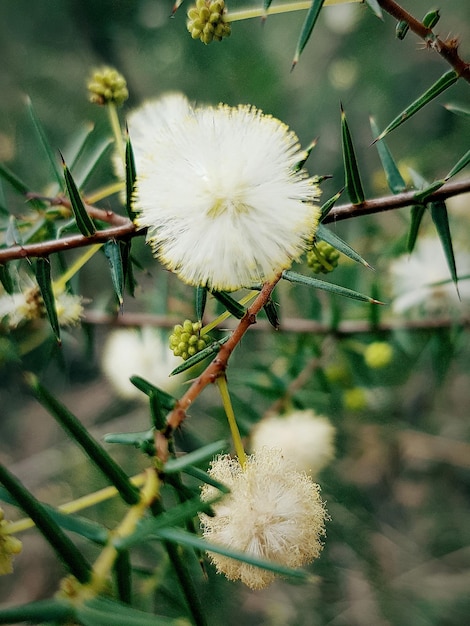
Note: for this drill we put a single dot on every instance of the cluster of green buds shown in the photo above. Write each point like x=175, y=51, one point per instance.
x=107, y=85
x=206, y=21
x=322, y=257
x=378, y=354
x=186, y=339
x=9, y=546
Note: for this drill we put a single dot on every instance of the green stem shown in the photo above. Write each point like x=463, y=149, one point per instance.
x=116, y=128
x=237, y=440
x=246, y=14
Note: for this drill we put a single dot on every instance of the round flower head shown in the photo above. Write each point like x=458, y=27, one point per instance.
x=272, y=512
x=414, y=279
x=129, y=352
x=218, y=190
x=305, y=438
x=28, y=305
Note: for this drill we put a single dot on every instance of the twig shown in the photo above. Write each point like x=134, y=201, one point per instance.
x=448, y=49
x=128, y=229
x=215, y=369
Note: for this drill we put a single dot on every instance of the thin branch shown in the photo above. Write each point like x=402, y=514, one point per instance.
x=448, y=49
x=288, y=325
x=215, y=369
x=128, y=229
x=398, y=201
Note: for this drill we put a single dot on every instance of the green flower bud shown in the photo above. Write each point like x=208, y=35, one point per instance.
x=378, y=354
x=206, y=21
x=355, y=399
x=322, y=257
x=186, y=339
x=107, y=85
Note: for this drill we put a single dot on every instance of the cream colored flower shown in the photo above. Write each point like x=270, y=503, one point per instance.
x=28, y=305
x=305, y=438
x=218, y=191
x=272, y=512
x=414, y=279
x=131, y=352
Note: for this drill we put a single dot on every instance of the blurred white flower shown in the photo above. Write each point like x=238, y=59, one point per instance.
x=145, y=353
x=305, y=438
x=28, y=305
x=414, y=279
x=272, y=512
x=218, y=191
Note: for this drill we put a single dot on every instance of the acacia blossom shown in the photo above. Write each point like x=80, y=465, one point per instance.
x=272, y=512
x=219, y=192
x=305, y=438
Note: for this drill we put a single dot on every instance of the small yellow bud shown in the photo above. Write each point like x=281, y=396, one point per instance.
x=186, y=339
x=322, y=257
x=9, y=547
x=107, y=85
x=355, y=399
x=378, y=354
x=206, y=21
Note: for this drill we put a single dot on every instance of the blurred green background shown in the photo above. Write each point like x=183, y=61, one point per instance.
x=397, y=550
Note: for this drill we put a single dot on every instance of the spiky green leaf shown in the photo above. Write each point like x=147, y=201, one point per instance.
x=440, y=218
x=43, y=277
x=374, y=6
x=166, y=400
x=353, y=182
x=179, y=536
x=57, y=611
x=211, y=350
x=232, y=306
x=18, y=185
x=201, y=299
x=458, y=109
x=112, y=250
x=131, y=176
x=49, y=151
x=330, y=237
x=82, y=437
x=67, y=552
x=461, y=163
x=101, y=611
x=417, y=213
x=444, y=82
x=196, y=457
x=329, y=204
x=6, y=279
x=307, y=28
x=395, y=180
x=84, y=221
x=293, y=277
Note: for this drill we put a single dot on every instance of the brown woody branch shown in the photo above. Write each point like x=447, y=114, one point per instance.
x=126, y=229
x=215, y=369
x=448, y=49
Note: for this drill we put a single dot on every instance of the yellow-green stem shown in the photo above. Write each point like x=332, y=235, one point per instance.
x=108, y=555
x=105, y=192
x=232, y=422
x=79, y=504
x=246, y=14
x=116, y=128
x=226, y=315
x=59, y=285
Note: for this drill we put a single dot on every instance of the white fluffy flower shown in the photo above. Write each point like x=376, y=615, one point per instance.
x=305, y=438
x=218, y=191
x=28, y=305
x=272, y=512
x=145, y=352
x=414, y=277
